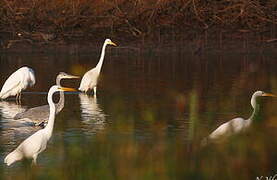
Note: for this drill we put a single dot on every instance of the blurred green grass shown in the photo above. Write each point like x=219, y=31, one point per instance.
x=154, y=132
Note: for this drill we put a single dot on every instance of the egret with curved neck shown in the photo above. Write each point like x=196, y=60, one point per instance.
x=89, y=80
x=36, y=143
x=62, y=75
x=239, y=124
x=39, y=115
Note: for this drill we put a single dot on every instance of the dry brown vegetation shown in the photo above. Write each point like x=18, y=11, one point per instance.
x=132, y=19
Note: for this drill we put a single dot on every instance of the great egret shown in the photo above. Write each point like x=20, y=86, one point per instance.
x=18, y=81
x=89, y=80
x=40, y=114
x=238, y=124
x=36, y=143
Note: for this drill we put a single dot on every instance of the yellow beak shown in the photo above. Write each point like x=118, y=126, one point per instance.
x=67, y=89
x=72, y=77
x=112, y=43
x=268, y=94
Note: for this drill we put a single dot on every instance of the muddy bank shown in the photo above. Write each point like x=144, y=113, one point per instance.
x=195, y=42
x=59, y=25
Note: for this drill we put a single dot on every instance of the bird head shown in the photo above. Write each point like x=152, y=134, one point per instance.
x=56, y=88
x=258, y=94
x=63, y=75
x=108, y=41
x=261, y=93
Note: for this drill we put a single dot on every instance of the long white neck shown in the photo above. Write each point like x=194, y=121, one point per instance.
x=256, y=108
x=100, y=63
x=60, y=104
x=50, y=125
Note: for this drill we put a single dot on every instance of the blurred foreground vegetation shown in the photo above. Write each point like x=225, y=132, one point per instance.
x=157, y=108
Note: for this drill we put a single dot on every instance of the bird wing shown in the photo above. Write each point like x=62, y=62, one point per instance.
x=89, y=80
x=17, y=81
x=34, y=144
x=232, y=126
x=10, y=85
x=37, y=114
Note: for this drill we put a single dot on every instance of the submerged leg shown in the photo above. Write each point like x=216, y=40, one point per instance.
x=34, y=162
x=16, y=98
x=94, y=91
x=19, y=98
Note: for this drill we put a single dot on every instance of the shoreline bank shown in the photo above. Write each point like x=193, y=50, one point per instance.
x=194, y=42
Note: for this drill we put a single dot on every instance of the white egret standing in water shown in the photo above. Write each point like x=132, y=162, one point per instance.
x=238, y=124
x=89, y=80
x=36, y=143
x=39, y=115
x=18, y=81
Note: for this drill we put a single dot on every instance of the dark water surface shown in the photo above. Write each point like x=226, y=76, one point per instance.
x=151, y=112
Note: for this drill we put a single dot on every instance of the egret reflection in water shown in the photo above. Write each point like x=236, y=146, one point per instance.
x=10, y=109
x=13, y=130
x=92, y=115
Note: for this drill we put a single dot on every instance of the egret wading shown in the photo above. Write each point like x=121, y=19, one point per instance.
x=36, y=143
x=238, y=124
x=89, y=80
x=17, y=82
x=39, y=115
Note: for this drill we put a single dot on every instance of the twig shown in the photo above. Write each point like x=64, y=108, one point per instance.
x=271, y=40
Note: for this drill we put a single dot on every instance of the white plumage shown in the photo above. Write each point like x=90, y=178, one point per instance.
x=30, y=148
x=36, y=143
x=18, y=81
x=89, y=80
x=230, y=127
x=238, y=124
